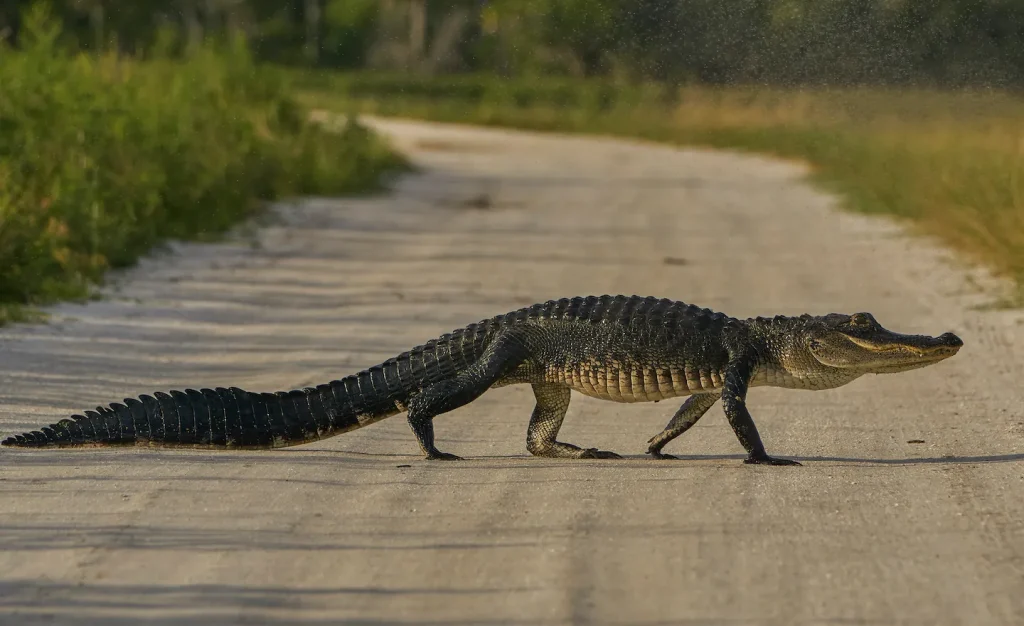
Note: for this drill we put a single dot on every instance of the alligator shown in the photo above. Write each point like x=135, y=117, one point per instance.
x=618, y=348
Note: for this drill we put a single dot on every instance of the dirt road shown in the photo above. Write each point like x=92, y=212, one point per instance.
x=358, y=529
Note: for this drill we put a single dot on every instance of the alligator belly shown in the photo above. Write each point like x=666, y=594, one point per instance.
x=634, y=383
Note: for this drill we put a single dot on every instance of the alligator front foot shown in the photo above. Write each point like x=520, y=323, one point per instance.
x=658, y=454
x=768, y=460
x=443, y=456
x=594, y=453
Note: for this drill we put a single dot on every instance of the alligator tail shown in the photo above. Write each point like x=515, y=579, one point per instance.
x=235, y=418
x=218, y=418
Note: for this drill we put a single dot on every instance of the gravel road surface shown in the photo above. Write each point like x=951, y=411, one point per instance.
x=358, y=529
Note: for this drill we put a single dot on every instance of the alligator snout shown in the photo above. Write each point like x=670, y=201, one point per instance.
x=950, y=340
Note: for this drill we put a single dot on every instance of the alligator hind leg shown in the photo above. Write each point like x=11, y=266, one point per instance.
x=552, y=403
x=503, y=355
x=692, y=410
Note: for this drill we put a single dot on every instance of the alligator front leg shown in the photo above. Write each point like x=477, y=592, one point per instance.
x=692, y=410
x=734, y=395
x=552, y=403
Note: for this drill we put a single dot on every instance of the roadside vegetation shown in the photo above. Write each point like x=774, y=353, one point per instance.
x=952, y=162
x=102, y=157
x=906, y=107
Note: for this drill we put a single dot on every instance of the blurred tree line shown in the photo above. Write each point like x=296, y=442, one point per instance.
x=928, y=42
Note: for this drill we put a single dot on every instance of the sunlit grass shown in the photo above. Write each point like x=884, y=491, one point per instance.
x=951, y=163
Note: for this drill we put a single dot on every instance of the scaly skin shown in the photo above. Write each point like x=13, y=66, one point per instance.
x=625, y=349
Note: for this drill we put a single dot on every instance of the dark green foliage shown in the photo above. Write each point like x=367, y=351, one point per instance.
x=782, y=42
x=103, y=157
x=349, y=29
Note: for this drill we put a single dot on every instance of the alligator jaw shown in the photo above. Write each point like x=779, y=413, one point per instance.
x=918, y=351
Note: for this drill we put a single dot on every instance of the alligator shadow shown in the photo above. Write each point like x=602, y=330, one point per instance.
x=643, y=460
x=630, y=460
x=936, y=460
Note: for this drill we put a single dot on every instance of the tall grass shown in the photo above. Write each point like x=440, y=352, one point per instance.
x=951, y=163
x=102, y=157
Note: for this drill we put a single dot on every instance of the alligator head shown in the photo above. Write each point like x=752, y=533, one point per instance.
x=810, y=352
x=858, y=342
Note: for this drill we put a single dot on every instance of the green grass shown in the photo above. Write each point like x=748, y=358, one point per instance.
x=103, y=157
x=950, y=163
